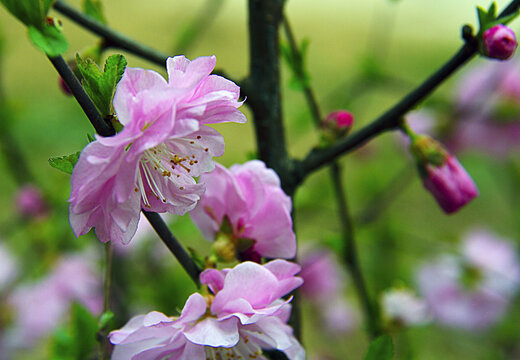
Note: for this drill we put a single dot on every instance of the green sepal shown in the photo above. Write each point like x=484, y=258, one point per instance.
x=94, y=9
x=199, y=261
x=488, y=18
x=30, y=12
x=65, y=163
x=382, y=348
x=105, y=320
x=100, y=85
x=49, y=39
x=243, y=244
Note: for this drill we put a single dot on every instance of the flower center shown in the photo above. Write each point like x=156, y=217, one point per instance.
x=243, y=350
x=161, y=160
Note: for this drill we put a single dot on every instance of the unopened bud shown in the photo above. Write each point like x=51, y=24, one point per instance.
x=499, y=42
x=336, y=125
x=442, y=174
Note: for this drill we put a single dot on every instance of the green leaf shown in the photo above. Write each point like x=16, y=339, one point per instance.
x=101, y=85
x=49, y=39
x=382, y=348
x=30, y=12
x=84, y=329
x=197, y=258
x=492, y=11
x=94, y=9
x=65, y=163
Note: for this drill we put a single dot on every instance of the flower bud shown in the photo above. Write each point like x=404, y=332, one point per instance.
x=442, y=174
x=336, y=125
x=499, y=42
x=29, y=202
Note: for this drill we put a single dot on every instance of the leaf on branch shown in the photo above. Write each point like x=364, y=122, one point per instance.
x=382, y=348
x=296, y=62
x=101, y=85
x=48, y=39
x=105, y=319
x=65, y=163
x=94, y=9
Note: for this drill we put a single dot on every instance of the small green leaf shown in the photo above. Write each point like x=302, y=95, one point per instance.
x=197, y=258
x=100, y=86
x=94, y=9
x=382, y=348
x=84, y=329
x=65, y=163
x=49, y=39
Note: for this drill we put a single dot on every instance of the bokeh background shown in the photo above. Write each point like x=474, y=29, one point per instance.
x=362, y=56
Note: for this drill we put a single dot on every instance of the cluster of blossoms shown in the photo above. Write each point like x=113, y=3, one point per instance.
x=151, y=164
x=472, y=290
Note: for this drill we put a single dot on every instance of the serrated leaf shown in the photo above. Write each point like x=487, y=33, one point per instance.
x=49, y=39
x=65, y=163
x=94, y=9
x=382, y=348
x=30, y=12
x=100, y=86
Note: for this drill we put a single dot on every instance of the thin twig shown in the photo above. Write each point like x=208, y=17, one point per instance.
x=105, y=346
x=112, y=38
x=349, y=243
x=105, y=130
x=318, y=158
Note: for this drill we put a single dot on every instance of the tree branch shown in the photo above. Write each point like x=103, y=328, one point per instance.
x=111, y=37
x=105, y=130
x=390, y=119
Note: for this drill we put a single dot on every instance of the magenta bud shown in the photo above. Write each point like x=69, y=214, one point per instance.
x=29, y=202
x=340, y=120
x=442, y=174
x=499, y=42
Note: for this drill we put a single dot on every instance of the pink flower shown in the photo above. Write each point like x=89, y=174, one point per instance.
x=40, y=307
x=472, y=291
x=29, y=202
x=244, y=316
x=339, y=119
x=152, y=162
x=250, y=200
x=442, y=174
x=499, y=42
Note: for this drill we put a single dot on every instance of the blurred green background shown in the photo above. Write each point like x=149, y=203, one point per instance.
x=353, y=46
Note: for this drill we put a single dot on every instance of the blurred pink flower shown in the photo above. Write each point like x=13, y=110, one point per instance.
x=29, y=202
x=473, y=290
x=41, y=306
x=499, y=42
x=487, y=116
x=244, y=316
x=251, y=198
x=324, y=286
x=152, y=162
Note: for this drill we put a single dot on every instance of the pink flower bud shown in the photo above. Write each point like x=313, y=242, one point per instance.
x=340, y=120
x=499, y=42
x=443, y=175
x=30, y=203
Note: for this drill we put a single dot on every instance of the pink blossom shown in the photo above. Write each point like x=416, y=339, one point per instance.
x=339, y=119
x=473, y=290
x=29, y=202
x=243, y=316
x=249, y=196
x=39, y=307
x=499, y=42
x=450, y=184
x=152, y=162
